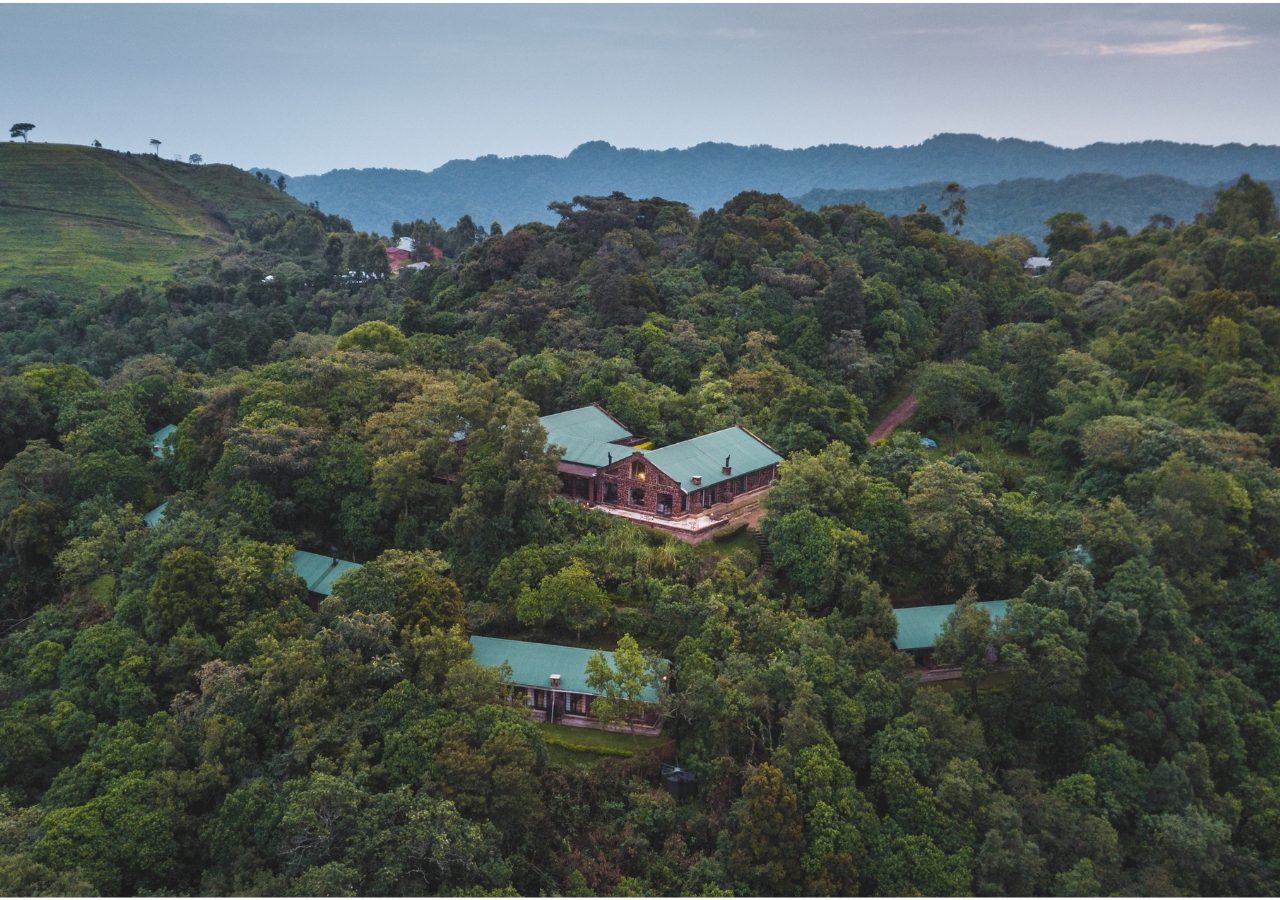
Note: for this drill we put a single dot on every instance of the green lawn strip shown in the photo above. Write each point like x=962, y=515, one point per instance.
x=563, y=758
x=728, y=544
x=994, y=683
x=592, y=745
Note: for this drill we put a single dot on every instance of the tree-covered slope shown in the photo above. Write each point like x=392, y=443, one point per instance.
x=178, y=718
x=518, y=189
x=75, y=217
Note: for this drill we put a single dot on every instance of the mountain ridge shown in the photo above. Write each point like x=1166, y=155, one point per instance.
x=516, y=189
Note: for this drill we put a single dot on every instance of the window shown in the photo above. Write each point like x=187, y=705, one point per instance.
x=637, y=496
x=684, y=502
x=610, y=492
x=637, y=470
x=664, y=504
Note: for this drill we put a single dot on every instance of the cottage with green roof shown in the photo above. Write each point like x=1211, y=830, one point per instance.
x=919, y=627
x=681, y=480
x=152, y=519
x=551, y=680
x=320, y=572
x=160, y=445
x=588, y=439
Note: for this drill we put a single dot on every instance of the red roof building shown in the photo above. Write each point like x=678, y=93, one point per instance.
x=396, y=258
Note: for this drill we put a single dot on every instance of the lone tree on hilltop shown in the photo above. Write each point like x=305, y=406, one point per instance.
x=19, y=130
x=195, y=159
x=155, y=146
x=97, y=144
x=280, y=182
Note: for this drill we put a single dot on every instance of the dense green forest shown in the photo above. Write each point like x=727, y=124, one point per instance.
x=517, y=189
x=1021, y=205
x=177, y=718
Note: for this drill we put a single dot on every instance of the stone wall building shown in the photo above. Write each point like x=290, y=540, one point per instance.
x=600, y=465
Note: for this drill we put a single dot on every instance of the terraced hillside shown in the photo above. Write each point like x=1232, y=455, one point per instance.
x=75, y=218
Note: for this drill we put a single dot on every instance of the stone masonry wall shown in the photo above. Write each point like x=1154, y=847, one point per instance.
x=656, y=482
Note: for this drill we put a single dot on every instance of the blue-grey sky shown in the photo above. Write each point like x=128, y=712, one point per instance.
x=305, y=89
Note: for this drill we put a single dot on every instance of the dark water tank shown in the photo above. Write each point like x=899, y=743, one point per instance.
x=678, y=781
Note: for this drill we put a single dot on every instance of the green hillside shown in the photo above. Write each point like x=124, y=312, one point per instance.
x=74, y=218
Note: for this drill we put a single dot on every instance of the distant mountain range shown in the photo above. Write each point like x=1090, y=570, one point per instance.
x=517, y=189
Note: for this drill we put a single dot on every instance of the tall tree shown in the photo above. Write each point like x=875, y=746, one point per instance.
x=966, y=640
x=1067, y=231
x=955, y=208
x=621, y=687
x=767, y=843
x=571, y=597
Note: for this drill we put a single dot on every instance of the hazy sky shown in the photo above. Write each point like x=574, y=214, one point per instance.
x=305, y=89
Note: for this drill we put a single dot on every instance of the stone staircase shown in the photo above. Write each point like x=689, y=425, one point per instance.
x=762, y=548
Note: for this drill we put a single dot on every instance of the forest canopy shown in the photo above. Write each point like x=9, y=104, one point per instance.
x=178, y=716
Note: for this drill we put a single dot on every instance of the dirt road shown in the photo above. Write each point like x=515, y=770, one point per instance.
x=903, y=411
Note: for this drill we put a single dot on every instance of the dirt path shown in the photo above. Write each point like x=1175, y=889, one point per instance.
x=903, y=411
x=106, y=220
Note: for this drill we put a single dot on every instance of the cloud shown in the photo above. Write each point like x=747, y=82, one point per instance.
x=1198, y=37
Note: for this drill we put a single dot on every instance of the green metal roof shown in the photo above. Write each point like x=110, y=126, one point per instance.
x=920, y=626
x=159, y=448
x=532, y=664
x=576, y=449
x=586, y=435
x=152, y=518
x=704, y=455
x=320, y=572
x=589, y=422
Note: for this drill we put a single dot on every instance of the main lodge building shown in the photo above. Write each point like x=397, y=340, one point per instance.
x=600, y=464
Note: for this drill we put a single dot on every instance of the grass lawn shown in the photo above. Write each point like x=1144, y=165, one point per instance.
x=569, y=746
x=995, y=683
x=728, y=544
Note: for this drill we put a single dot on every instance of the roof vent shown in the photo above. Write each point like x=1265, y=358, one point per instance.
x=695, y=479
x=555, y=681
x=728, y=469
